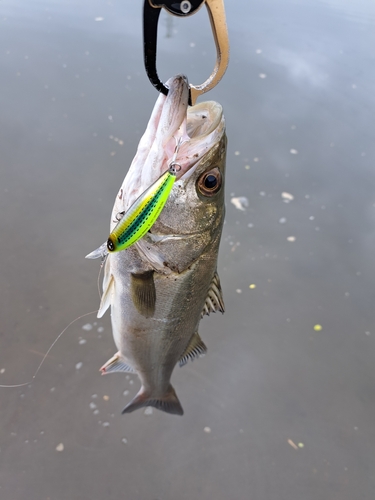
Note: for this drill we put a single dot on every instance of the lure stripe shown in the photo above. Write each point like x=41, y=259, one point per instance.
x=142, y=215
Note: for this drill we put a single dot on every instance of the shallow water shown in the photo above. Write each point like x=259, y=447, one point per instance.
x=278, y=408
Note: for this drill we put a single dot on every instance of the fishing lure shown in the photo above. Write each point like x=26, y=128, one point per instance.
x=142, y=215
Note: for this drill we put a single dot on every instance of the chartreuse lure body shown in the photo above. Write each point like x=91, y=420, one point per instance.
x=143, y=213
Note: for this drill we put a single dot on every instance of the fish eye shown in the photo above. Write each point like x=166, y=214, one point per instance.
x=209, y=183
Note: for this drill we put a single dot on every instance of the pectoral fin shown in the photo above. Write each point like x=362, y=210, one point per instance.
x=195, y=348
x=116, y=364
x=107, y=296
x=214, y=301
x=143, y=292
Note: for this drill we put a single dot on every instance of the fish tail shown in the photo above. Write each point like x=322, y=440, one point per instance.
x=168, y=402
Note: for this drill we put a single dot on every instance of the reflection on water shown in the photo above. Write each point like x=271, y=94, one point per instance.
x=278, y=408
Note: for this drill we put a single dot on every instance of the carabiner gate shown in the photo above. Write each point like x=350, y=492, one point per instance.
x=216, y=12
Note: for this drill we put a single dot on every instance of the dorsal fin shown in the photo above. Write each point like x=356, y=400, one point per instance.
x=143, y=292
x=195, y=348
x=116, y=364
x=214, y=301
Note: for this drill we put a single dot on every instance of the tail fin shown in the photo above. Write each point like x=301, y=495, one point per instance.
x=168, y=402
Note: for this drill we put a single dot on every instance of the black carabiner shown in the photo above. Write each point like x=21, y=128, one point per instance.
x=151, y=12
x=216, y=12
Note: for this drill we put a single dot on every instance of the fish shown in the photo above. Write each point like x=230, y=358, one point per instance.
x=159, y=288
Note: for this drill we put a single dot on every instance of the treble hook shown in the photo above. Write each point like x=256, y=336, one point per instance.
x=216, y=12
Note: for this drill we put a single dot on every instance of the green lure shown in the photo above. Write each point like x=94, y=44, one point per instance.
x=142, y=215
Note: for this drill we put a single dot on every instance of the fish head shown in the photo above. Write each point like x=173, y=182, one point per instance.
x=190, y=223
x=193, y=138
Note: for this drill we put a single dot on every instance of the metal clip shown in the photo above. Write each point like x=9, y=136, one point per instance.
x=216, y=12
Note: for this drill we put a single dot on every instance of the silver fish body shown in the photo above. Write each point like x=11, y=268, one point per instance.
x=159, y=288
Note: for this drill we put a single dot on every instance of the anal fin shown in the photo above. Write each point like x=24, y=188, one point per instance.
x=195, y=349
x=116, y=364
x=214, y=301
x=143, y=292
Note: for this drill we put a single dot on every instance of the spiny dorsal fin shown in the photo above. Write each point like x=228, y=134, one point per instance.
x=143, y=292
x=106, y=300
x=116, y=364
x=214, y=301
x=195, y=348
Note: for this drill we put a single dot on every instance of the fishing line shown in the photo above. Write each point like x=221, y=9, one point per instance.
x=46, y=354
x=60, y=334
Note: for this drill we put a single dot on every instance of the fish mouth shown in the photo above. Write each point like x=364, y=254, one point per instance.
x=175, y=132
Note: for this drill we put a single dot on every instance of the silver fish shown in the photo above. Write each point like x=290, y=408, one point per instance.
x=160, y=288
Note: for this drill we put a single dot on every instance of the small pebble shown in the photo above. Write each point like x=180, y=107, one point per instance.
x=300, y=445
x=79, y=365
x=262, y=75
x=252, y=286
x=293, y=152
x=82, y=341
x=2, y=370
x=287, y=196
x=282, y=220
x=95, y=412
x=87, y=327
x=100, y=329
x=241, y=202
x=237, y=153
x=207, y=429
x=126, y=393
x=106, y=398
x=291, y=238
x=148, y=411
x=124, y=440
x=93, y=406
x=105, y=424
x=60, y=447
x=97, y=19
x=94, y=396
x=238, y=290
x=317, y=328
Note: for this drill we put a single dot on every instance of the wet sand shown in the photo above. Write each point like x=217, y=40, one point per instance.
x=282, y=406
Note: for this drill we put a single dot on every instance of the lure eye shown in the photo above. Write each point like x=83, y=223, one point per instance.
x=210, y=182
x=110, y=245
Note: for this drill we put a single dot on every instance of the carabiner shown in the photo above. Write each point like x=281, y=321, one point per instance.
x=216, y=12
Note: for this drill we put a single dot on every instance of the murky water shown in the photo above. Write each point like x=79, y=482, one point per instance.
x=283, y=405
